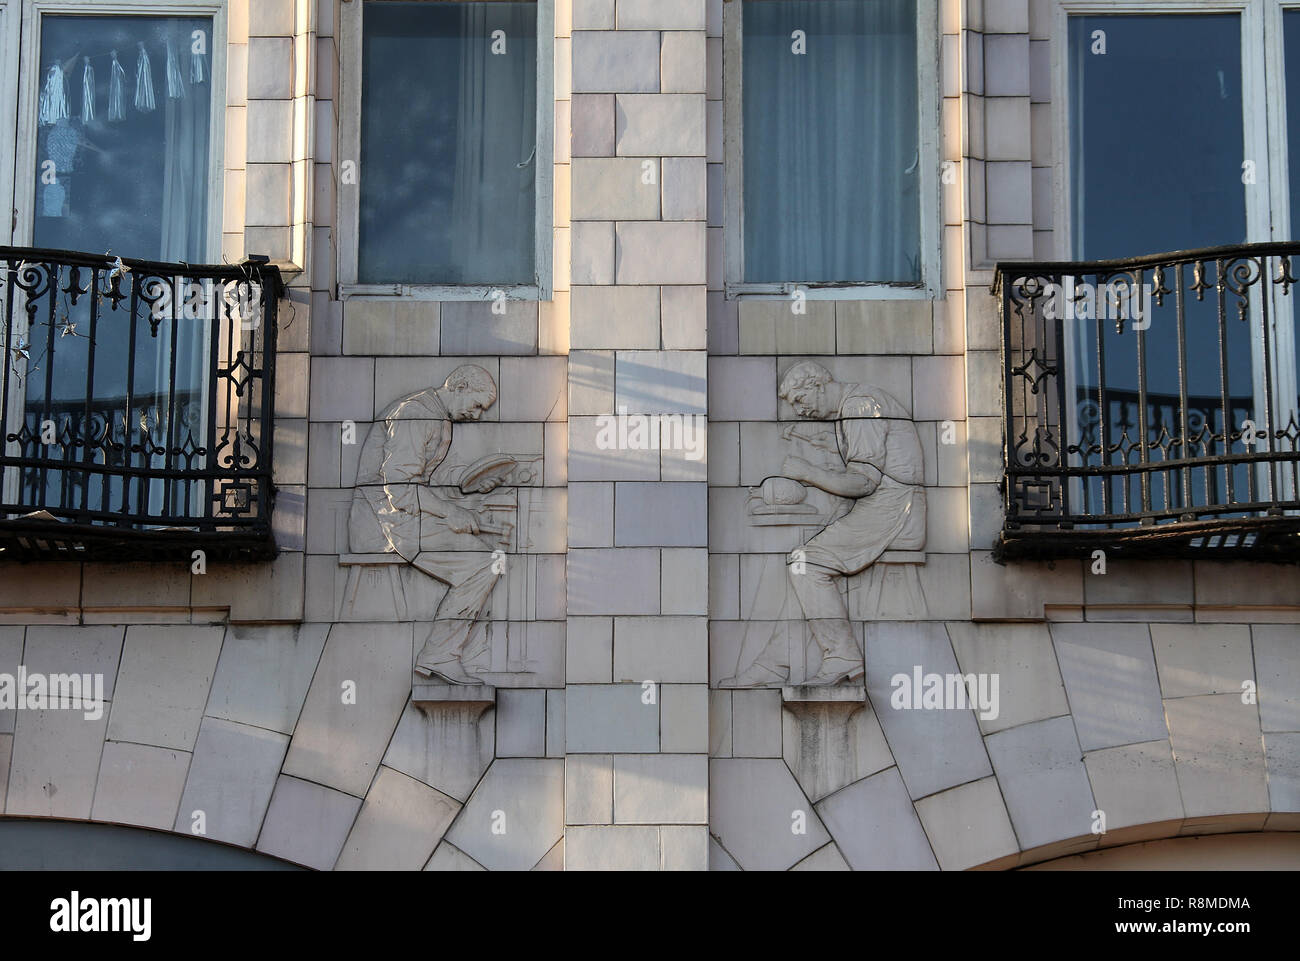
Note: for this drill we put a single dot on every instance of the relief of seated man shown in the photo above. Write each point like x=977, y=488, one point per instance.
x=396, y=506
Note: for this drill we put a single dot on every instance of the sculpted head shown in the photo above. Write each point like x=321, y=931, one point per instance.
x=469, y=390
x=811, y=391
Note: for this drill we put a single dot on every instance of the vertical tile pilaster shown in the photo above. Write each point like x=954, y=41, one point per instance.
x=637, y=660
x=280, y=126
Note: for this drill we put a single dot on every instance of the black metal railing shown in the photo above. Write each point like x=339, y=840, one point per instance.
x=135, y=406
x=1151, y=404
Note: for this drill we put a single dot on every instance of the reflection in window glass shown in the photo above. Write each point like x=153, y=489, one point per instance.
x=448, y=143
x=130, y=174
x=1156, y=134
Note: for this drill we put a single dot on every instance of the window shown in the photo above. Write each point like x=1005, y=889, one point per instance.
x=1208, y=179
x=1191, y=65
x=118, y=154
x=450, y=122
x=136, y=392
x=119, y=128
x=832, y=166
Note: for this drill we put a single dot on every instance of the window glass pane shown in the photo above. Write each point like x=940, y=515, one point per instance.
x=1291, y=38
x=832, y=163
x=448, y=134
x=1156, y=150
x=122, y=168
x=1160, y=107
x=132, y=179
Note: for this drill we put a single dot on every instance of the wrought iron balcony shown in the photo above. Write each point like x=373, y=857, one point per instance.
x=137, y=407
x=1151, y=405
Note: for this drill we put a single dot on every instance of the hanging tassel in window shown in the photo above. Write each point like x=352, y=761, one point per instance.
x=87, y=92
x=198, y=68
x=54, y=98
x=116, y=100
x=143, y=81
x=175, y=79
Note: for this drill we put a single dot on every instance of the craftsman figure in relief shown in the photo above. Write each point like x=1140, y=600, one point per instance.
x=396, y=507
x=881, y=471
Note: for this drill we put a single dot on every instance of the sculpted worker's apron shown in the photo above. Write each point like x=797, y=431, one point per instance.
x=890, y=518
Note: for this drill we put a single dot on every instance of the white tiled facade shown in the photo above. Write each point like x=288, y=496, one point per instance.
x=615, y=748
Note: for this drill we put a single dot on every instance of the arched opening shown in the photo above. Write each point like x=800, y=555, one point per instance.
x=45, y=844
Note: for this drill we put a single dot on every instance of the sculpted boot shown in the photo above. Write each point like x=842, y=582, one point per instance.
x=756, y=675
x=450, y=671
x=841, y=659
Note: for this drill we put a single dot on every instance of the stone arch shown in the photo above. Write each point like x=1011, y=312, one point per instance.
x=1230, y=851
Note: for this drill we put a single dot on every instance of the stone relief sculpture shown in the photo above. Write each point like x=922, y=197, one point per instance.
x=871, y=465
x=455, y=533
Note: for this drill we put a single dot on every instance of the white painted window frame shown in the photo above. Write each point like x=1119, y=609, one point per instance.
x=29, y=88
x=10, y=13
x=929, y=52
x=1264, y=139
x=349, y=196
x=1285, y=370
x=1274, y=62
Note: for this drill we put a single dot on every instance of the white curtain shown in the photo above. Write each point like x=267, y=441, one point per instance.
x=186, y=131
x=832, y=166
x=493, y=201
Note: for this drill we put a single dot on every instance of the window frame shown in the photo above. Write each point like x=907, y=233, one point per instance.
x=1273, y=65
x=24, y=156
x=929, y=51
x=351, y=28
x=10, y=14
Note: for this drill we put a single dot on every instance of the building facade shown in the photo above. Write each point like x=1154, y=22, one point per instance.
x=652, y=434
